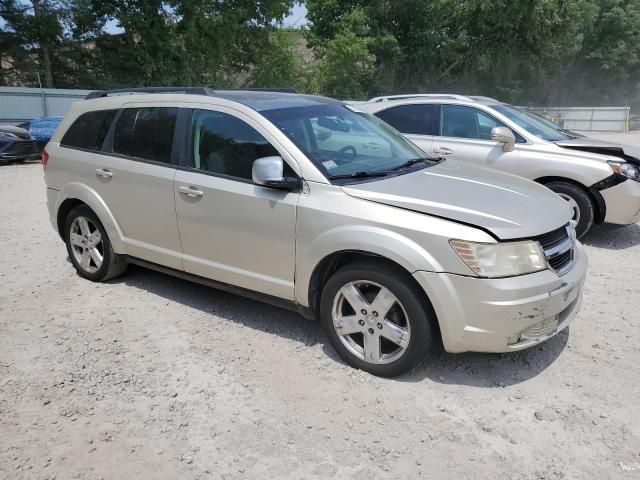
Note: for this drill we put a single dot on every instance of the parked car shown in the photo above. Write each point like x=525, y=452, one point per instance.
x=16, y=145
x=270, y=195
x=600, y=180
x=41, y=129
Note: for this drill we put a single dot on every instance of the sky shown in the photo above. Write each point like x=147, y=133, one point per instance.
x=298, y=17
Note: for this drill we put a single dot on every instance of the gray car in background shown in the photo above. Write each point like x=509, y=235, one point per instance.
x=313, y=205
x=599, y=180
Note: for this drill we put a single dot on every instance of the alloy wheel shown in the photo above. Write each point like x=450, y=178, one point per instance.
x=371, y=322
x=86, y=244
x=573, y=204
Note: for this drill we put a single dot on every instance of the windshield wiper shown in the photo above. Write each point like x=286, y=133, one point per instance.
x=359, y=174
x=409, y=163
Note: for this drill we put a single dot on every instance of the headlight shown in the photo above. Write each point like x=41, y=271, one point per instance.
x=626, y=169
x=506, y=259
x=7, y=135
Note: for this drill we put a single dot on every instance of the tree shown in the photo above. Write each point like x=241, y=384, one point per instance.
x=33, y=27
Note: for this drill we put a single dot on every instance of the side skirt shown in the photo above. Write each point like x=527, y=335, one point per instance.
x=253, y=295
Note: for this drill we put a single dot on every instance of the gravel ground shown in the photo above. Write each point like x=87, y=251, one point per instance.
x=149, y=376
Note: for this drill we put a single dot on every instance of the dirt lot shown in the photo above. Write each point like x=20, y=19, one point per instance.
x=153, y=377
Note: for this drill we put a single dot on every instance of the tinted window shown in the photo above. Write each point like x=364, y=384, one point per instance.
x=413, y=119
x=89, y=130
x=467, y=122
x=145, y=133
x=226, y=145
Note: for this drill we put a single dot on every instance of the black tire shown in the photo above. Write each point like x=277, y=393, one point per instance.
x=423, y=337
x=583, y=201
x=113, y=265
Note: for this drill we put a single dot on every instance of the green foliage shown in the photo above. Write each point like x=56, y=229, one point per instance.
x=522, y=51
x=557, y=51
x=278, y=65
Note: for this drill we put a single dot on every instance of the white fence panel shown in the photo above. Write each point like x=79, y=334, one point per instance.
x=588, y=119
x=18, y=104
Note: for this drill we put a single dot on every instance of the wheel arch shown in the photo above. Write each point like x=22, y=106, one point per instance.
x=75, y=194
x=595, y=196
x=336, y=260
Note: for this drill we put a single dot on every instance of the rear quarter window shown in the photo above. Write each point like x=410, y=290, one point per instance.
x=89, y=130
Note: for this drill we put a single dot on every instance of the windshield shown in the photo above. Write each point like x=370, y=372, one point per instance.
x=534, y=124
x=346, y=143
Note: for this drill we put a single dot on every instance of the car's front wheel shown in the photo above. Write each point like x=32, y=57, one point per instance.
x=377, y=319
x=89, y=247
x=579, y=201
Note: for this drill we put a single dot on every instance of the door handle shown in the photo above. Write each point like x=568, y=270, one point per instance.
x=372, y=145
x=104, y=173
x=443, y=150
x=190, y=191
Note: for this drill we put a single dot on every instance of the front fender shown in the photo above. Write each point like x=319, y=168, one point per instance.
x=363, y=238
x=79, y=191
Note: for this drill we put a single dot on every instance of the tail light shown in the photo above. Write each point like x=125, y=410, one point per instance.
x=45, y=159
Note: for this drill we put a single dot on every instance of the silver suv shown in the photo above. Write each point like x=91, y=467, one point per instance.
x=310, y=204
x=600, y=180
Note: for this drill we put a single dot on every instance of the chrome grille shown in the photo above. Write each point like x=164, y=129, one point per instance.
x=558, y=248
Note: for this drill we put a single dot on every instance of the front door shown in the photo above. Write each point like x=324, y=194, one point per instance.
x=466, y=136
x=232, y=230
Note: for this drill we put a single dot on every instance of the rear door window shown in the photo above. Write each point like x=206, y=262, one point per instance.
x=89, y=130
x=145, y=133
x=420, y=119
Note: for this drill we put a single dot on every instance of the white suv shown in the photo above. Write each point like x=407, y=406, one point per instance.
x=600, y=180
x=275, y=196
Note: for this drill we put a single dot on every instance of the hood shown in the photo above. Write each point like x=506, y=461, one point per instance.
x=506, y=205
x=602, y=147
x=17, y=131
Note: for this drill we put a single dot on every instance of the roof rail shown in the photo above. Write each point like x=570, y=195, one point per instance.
x=419, y=95
x=185, y=90
x=484, y=99
x=132, y=91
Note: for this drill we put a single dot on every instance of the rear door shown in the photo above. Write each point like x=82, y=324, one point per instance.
x=232, y=230
x=418, y=122
x=465, y=134
x=134, y=177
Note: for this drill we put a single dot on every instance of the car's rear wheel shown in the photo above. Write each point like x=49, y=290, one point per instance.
x=579, y=201
x=89, y=247
x=377, y=319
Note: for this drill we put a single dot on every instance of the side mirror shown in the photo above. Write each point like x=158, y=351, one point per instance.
x=269, y=172
x=505, y=136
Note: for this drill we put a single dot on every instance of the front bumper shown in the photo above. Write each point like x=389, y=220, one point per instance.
x=505, y=314
x=19, y=150
x=623, y=203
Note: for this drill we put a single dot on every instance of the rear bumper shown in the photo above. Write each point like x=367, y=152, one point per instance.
x=623, y=203
x=506, y=314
